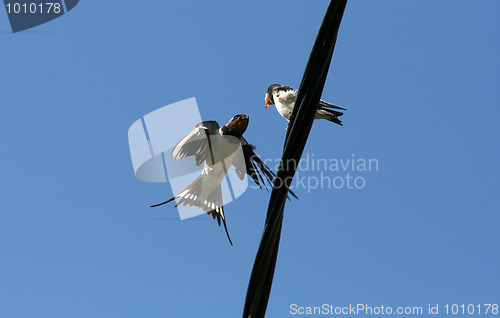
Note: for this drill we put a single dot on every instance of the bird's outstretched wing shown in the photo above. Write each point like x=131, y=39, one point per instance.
x=197, y=142
x=261, y=174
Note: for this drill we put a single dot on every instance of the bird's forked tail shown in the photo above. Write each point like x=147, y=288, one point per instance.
x=213, y=205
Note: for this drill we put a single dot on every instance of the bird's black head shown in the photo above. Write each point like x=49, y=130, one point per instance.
x=274, y=88
x=236, y=126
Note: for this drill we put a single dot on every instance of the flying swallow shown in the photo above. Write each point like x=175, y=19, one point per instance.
x=284, y=98
x=217, y=147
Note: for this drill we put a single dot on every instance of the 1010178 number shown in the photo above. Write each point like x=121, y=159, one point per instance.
x=33, y=8
x=471, y=309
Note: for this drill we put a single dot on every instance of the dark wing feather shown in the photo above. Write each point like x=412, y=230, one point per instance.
x=327, y=111
x=322, y=103
x=256, y=168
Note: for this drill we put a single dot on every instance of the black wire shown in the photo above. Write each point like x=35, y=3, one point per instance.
x=306, y=103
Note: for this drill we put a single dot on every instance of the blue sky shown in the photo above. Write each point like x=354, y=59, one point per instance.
x=419, y=79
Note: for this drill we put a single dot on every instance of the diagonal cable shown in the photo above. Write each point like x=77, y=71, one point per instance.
x=306, y=103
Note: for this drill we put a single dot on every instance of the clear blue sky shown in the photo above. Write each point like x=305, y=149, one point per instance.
x=420, y=81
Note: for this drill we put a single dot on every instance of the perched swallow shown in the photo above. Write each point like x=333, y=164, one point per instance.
x=217, y=147
x=284, y=98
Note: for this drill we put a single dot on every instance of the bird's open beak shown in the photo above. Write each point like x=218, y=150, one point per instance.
x=268, y=100
x=240, y=123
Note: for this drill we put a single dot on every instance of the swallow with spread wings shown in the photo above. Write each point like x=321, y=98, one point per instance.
x=218, y=148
